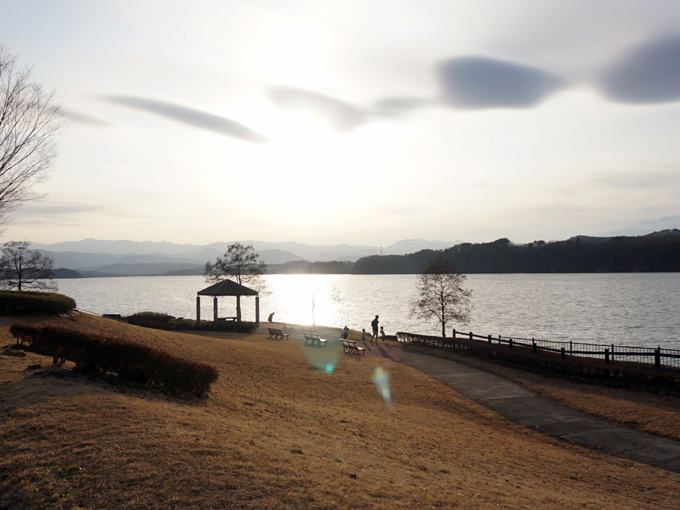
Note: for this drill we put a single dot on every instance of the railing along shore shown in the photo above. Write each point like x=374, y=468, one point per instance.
x=654, y=356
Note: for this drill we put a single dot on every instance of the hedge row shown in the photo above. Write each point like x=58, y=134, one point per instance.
x=23, y=302
x=615, y=373
x=157, y=320
x=132, y=362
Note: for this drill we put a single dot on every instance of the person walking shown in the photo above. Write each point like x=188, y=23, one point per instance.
x=374, y=325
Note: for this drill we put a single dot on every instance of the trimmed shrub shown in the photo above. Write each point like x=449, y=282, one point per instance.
x=156, y=320
x=14, y=302
x=228, y=326
x=132, y=362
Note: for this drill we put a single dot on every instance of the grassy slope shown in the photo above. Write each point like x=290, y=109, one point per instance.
x=277, y=433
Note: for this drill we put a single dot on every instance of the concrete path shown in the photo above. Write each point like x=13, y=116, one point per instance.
x=543, y=415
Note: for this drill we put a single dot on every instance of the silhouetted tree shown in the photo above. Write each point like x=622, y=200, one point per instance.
x=24, y=269
x=240, y=264
x=29, y=121
x=441, y=294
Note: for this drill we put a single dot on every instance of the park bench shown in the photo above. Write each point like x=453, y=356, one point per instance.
x=277, y=333
x=314, y=339
x=352, y=347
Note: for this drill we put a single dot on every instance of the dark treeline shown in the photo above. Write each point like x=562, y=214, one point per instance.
x=581, y=254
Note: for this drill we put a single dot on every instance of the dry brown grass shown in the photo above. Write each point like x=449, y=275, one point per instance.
x=276, y=432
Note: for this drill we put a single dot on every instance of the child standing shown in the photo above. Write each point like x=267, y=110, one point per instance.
x=382, y=333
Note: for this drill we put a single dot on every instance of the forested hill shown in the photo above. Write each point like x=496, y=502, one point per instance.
x=659, y=251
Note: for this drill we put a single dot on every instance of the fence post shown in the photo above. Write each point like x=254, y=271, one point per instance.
x=571, y=348
x=454, y=333
x=563, y=353
x=657, y=357
x=606, y=355
x=489, y=338
x=470, y=335
x=510, y=342
x=612, y=352
x=533, y=342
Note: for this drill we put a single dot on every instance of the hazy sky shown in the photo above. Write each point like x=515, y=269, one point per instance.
x=359, y=122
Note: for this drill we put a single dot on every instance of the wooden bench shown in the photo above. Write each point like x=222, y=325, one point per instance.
x=314, y=339
x=277, y=333
x=352, y=347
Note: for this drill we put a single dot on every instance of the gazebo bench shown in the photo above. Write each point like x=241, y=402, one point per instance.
x=313, y=338
x=352, y=347
x=277, y=333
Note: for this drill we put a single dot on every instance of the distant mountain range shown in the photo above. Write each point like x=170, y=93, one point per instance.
x=646, y=227
x=94, y=257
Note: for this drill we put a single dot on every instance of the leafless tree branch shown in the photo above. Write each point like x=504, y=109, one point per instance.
x=29, y=121
x=441, y=295
x=24, y=269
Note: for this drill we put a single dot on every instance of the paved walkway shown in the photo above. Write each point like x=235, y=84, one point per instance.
x=541, y=414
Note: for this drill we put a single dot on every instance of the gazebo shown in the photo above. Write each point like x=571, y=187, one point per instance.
x=227, y=288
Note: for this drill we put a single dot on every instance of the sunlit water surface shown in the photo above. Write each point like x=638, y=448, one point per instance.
x=624, y=309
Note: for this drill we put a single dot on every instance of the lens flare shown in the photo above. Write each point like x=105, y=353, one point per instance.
x=324, y=358
x=381, y=379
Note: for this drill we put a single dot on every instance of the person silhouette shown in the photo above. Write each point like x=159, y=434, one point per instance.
x=374, y=325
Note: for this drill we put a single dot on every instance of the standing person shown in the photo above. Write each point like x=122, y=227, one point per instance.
x=363, y=335
x=382, y=333
x=345, y=332
x=374, y=325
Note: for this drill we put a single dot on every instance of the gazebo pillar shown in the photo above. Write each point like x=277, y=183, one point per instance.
x=198, y=309
x=215, y=308
x=257, y=310
x=238, y=308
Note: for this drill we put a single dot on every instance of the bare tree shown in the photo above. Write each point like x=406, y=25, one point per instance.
x=24, y=269
x=29, y=121
x=240, y=264
x=441, y=294
x=314, y=306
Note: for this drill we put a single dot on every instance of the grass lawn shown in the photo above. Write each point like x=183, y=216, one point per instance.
x=286, y=426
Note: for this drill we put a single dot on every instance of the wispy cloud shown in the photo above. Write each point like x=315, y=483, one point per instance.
x=82, y=118
x=56, y=213
x=480, y=82
x=190, y=117
x=339, y=115
x=649, y=73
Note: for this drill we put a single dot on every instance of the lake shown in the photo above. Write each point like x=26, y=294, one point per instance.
x=619, y=308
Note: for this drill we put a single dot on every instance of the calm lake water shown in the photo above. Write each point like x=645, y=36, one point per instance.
x=624, y=309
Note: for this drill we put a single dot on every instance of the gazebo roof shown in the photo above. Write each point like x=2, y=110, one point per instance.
x=227, y=288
